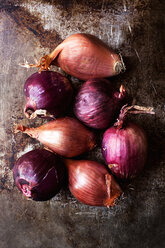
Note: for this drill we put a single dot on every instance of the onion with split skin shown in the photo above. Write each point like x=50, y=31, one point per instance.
x=39, y=174
x=83, y=56
x=97, y=103
x=65, y=136
x=48, y=94
x=91, y=183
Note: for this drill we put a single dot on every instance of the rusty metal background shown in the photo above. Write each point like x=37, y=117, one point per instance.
x=30, y=29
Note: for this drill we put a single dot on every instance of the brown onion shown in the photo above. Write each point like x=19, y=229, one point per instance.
x=83, y=56
x=91, y=183
x=65, y=136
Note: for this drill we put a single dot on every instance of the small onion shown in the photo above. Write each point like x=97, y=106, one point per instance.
x=83, y=56
x=91, y=183
x=97, y=103
x=65, y=136
x=39, y=174
x=47, y=94
x=124, y=146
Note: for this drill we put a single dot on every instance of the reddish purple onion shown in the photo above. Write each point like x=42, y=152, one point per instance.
x=48, y=93
x=39, y=174
x=125, y=149
x=97, y=103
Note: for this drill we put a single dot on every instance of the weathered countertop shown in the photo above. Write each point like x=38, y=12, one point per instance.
x=30, y=29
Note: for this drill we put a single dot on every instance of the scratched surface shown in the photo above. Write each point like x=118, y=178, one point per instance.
x=30, y=29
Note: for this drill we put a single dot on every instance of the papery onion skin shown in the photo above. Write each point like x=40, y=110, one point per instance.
x=48, y=91
x=39, y=174
x=65, y=136
x=125, y=150
x=97, y=103
x=91, y=183
x=83, y=56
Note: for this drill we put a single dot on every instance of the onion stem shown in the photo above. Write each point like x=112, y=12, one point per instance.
x=38, y=112
x=134, y=109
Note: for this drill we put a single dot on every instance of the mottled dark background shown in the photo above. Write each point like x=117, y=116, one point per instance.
x=30, y=29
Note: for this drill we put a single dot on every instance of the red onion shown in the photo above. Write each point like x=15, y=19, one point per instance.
x=39, y=174
x=47, y=94
x=124, y=146
x=91, y=183
x=97, y=103
x=83, y=56
x=65, y=136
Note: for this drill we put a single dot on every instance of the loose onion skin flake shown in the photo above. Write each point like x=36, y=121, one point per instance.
x=91, y=183
x=39, y=174
x=83, y=56
x=48, y=94
x=124, y=145
x=97, y=103
x=65, y=136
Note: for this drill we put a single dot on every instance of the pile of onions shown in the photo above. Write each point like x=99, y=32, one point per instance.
x=39, y=174
x=97, y=103
x=47, y=94
x=91, y=183
x=124, y=146
x=65, y=136
x=83, y=56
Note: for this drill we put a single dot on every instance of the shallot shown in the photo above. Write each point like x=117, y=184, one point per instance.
x=65, y=136
x=91, y=183
x=83, y=56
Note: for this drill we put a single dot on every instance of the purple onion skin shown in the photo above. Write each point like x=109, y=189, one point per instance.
x=97, y=103
x=39, y=174
x=48, y=90
x=125, y=150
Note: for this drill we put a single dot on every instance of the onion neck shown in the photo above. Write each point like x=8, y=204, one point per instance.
x=119, y=67
x=45, y=62
x=24, y=186
x=134, y=109
x=39, y=112
x=21, y=128
x=121, y=94
x=26, y=190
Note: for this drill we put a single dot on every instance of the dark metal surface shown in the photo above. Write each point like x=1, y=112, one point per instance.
x=30, y=29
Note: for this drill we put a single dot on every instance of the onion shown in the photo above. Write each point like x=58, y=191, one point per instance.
x=83, y=56
x=91, y=183
x=47, y=94
x=65, y=136
x=39, y=174
x=124, y=146
x=97, y=103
